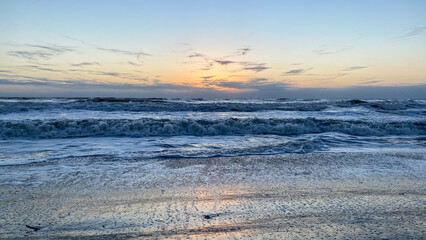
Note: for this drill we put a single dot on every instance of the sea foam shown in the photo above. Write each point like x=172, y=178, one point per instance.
x=163, y=127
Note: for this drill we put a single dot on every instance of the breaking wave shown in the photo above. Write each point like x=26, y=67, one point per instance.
x=66, y=128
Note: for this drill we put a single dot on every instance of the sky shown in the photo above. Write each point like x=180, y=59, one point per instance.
x=213, y=49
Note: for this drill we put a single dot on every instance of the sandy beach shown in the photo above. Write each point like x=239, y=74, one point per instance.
x=292, y=196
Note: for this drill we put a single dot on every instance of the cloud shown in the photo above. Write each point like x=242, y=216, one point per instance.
x=43, y=68
x=113, y=74
x=36, y=52
x=327, y=50
x=134, y=64
x=256, y=67
x=52, y=48
x=116, y=74
x=17, y=76
x=34, y=82
x=84, y=64
x=207, y=77
x=137, y=54
x=243, y=51
x=256, y=84
x=194, y=55
x=297, y=71
x=224, y=62
x=333, y=76
x=29, y=55
x=208, y=66
x=239, y=52
x=354, y=68
x=370, y=82
x=132, y=76
x=413, y=32
x=84, y=87
x=254, y=88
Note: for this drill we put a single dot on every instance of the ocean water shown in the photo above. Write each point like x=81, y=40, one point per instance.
x=47, y=129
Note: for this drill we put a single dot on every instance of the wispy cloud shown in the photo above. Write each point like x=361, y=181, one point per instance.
x=224, y=62
x=194, y=55
x=297, y=71
x=256, y=67
x=327, y=50
x=332, y=76
x=37, y=52
x=84, y=64
x=51, y=48
x=35, y=82
x=369, y=82
x=31, y=55
x=413, y=32
x=137, y=54
x=207, y=66
x=112, y=74
x=354, y=68
x=239, y=52
x=243, y=51
x=207, y=77
x=9, y=75
x=134, y=63
x=37, y=67
x=234, y=59
x=260, y=85
x=85, y=85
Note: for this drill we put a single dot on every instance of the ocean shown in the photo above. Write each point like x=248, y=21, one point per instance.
x=48, y=129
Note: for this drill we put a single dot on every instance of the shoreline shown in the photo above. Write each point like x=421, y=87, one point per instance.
x=307, y=196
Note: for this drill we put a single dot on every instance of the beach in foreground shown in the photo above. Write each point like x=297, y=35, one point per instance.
x=290, y=196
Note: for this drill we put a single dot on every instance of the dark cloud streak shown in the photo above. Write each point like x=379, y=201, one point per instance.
x=224, y=62
x=297, y=71
x=84, y=64
x=194, y=55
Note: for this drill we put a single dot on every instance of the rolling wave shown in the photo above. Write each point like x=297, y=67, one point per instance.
x=66, y=128
x=161, y=105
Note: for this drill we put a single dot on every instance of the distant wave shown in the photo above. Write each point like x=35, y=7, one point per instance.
x=199, y=105
x=66, y=128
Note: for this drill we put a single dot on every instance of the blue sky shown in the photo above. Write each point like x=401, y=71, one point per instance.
x=213, y=48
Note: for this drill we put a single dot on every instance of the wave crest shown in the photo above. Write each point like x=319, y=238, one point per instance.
x=160, y=127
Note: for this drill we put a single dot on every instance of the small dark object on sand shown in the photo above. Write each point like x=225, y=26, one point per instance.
x=34, y=228
x=210, y=216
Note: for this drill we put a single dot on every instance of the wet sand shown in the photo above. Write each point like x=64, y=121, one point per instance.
x=292, y=196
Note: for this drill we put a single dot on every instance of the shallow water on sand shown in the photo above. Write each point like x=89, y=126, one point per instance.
x=290, y=196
